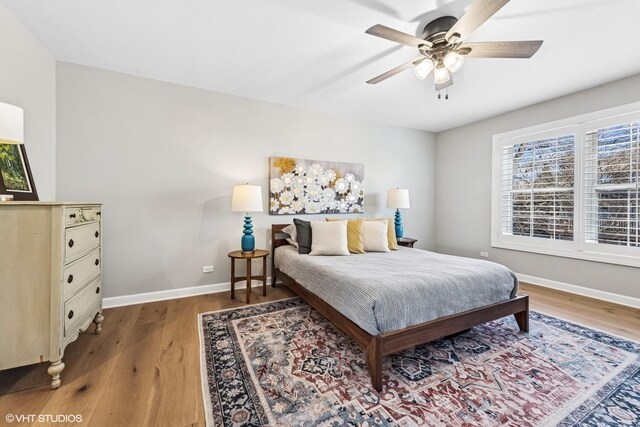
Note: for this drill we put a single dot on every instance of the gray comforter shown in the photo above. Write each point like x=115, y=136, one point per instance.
x=382, y=292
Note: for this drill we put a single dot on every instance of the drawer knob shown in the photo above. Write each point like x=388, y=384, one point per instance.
x=98, y=290
x=70, y=278
x=71, y=243
x=97, y=262
x=97, y=234
x=99, y=213
x=72, y=216
x=70, y=315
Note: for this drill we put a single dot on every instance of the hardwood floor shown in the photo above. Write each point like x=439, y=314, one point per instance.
x=616, y=319
x=144, y=368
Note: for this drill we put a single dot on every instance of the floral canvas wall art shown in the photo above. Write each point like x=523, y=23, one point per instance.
x=298, y=186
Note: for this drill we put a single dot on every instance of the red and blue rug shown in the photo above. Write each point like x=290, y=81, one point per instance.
x=284, y=364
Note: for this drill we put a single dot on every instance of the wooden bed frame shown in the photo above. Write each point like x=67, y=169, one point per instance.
x=395, y=341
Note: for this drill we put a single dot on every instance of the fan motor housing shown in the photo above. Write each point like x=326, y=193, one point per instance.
x=436, y=30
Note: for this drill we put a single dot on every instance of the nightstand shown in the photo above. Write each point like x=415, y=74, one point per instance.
x=248, y=256
x=406, y=241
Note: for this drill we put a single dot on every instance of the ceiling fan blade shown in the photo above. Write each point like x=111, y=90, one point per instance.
x=519, y=49
x=396, y=36
x=395, y=71
x=479, y=12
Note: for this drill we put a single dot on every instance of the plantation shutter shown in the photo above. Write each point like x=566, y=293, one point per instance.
x=537, y=188
x=612, y=185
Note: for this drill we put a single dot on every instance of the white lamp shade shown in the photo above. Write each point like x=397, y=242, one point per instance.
x=453, y=61
x=441, y=75
x=423, y=69
x=11, y=124
x=246, y=198
x=398, y=198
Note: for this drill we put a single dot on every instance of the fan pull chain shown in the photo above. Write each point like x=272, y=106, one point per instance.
x=446, y=94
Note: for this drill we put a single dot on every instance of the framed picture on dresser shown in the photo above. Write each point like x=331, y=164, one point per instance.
x=16, y=178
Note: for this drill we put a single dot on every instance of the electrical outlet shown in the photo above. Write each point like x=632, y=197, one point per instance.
x=207, y=269
x=484, y=254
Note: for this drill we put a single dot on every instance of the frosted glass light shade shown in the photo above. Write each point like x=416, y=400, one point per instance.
x=246, y=198
x=423, y=69
x=441, y=75
x=11, y=124
x=398, y=198
x=453, y=61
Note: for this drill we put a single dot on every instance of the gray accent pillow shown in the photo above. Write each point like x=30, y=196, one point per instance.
x=293, y=235
x=303, y=230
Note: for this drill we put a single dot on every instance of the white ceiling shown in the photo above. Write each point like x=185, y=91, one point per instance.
x=315, y=54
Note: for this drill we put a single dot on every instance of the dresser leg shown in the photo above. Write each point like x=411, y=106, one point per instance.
x=98, y=321
x=54, y=370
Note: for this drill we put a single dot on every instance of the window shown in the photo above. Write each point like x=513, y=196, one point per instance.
x=612, y=169
x=537, y=188
x=571, y=188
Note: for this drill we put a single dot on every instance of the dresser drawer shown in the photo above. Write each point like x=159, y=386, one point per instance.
x=79, y=214
x=72, y=216
x=77, y=275
x=81, y=239
x=81, y=306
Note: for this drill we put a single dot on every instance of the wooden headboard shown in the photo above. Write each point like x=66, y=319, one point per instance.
x=278, y=238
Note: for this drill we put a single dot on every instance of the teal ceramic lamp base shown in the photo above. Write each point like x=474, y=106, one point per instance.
x=398, y=223
x=248, y=243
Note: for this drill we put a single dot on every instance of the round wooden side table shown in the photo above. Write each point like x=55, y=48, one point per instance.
x=406, y=241
x=248, y=256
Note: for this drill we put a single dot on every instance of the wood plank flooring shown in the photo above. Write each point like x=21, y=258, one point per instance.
x=616, y=319
x=144, y=369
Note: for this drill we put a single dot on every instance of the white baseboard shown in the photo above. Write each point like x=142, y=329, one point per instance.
x=124, y=300
x=581, y=290
x=191, y=291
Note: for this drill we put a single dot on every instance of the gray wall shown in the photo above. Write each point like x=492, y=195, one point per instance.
x=163, y=159
x=27, y=79
x=463, y=191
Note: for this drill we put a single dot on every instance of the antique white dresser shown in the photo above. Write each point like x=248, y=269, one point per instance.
x=50, y=280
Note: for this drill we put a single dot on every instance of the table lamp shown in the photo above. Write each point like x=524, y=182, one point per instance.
x=247, y=198
x=398, y=198
x=11, y=124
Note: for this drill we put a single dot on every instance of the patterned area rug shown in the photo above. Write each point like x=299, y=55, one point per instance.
x=283, y=363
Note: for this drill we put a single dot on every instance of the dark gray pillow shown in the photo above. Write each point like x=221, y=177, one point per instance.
x=303, y=228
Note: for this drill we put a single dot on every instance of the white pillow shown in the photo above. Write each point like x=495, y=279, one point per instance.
x=293, y=235
x=329, y=238
x=375, y=236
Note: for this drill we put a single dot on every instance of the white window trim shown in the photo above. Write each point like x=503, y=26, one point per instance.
x=578, y=248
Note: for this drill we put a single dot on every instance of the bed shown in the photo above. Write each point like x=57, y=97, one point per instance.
x=388, y=302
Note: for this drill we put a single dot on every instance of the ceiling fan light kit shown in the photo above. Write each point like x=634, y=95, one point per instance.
x=442, y=46
x=453, y=61
x=441, y=75
x=423, y=69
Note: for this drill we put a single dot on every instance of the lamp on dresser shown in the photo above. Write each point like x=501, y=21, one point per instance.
x=398, y=198
x=247, y=198
x=11, y=124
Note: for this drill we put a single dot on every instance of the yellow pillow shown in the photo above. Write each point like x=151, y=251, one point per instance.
x=391, y=232
x=354, y=235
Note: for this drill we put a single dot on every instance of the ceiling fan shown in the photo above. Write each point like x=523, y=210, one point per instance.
x=442, y=48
